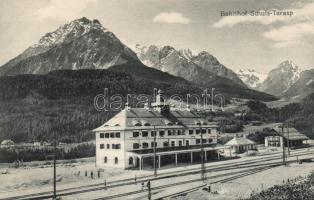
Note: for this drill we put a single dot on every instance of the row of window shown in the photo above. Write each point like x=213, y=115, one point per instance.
x=170, y=132
x=113, y=146
x=154, y=133
x=116, y=160
x=145, y=145
x=109, y=135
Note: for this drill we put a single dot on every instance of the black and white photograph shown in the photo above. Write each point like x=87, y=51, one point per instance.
x=157, y=99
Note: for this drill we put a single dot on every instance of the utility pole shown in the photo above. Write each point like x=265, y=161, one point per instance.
x=288, y=144
x=149, y=190
x=283, y=148
x=54, y=166
x=202, y=156
x=155, y=168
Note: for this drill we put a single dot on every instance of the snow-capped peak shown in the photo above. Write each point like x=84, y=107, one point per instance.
x=290, y=67
x=251, y=77
x=75, y=28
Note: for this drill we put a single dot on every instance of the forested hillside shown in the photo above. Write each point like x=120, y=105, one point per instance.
x=299, y=115
x=34, y=107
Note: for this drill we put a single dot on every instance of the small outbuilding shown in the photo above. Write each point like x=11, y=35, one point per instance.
x=241, y=144
x=285, y=136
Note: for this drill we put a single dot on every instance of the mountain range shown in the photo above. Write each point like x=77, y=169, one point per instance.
x=61, y=74
x=288, y=81
x=86, y=44
x=185, y=64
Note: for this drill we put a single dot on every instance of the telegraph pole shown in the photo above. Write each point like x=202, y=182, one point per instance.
x=202, y=156
x=149, y=190
x=283, y=148
x=155, y=168
x=288, y=144
x=54, y=166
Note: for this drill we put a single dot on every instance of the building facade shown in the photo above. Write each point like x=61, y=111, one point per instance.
x=241, y=144
x=137, y=136
x=285, y=136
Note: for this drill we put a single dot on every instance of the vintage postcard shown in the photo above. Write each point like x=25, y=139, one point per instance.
x=157, y=99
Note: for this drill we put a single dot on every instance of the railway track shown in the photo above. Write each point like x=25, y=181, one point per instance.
x=130, y=181
x=236, y=176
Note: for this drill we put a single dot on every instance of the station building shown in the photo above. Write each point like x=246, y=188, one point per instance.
x=135, y=136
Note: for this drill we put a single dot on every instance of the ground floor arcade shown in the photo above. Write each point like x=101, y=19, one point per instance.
x=173, y=158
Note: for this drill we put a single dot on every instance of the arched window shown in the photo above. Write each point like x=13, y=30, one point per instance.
x=116, y=160
x=105, y=159
x=131, y=161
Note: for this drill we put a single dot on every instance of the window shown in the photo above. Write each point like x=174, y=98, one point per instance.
x=180, y=132
x=191, y=132
x=169, y=132
x=136, y=134
x=203, y=130
x=116, y=146
x=145, y=145
x=198, y=141
x=136, y=145
x=209, y=131
x=105, y=159
x=166, y=144
x=106, y=135
x=108, y=146
x=145, y=133
x=102, y=135
x=112, y=135
x=173, y=143
x=102, y=146
x=187, y=143
x=161, y=133
x=204, y=140
x=116, y=160
x=118, y=135
x=153, y=133
x=210, y=140
x=130, y=161
x=180, y=143
x=154, y=144
x=198, y=131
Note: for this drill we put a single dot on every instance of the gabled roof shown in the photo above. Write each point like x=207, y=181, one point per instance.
x=144, y=117
x=290, y=133
x=237, y=141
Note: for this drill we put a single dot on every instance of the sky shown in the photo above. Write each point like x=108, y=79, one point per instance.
x=238, y=42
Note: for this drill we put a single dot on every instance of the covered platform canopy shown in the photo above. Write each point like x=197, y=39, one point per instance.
x=149, y=153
